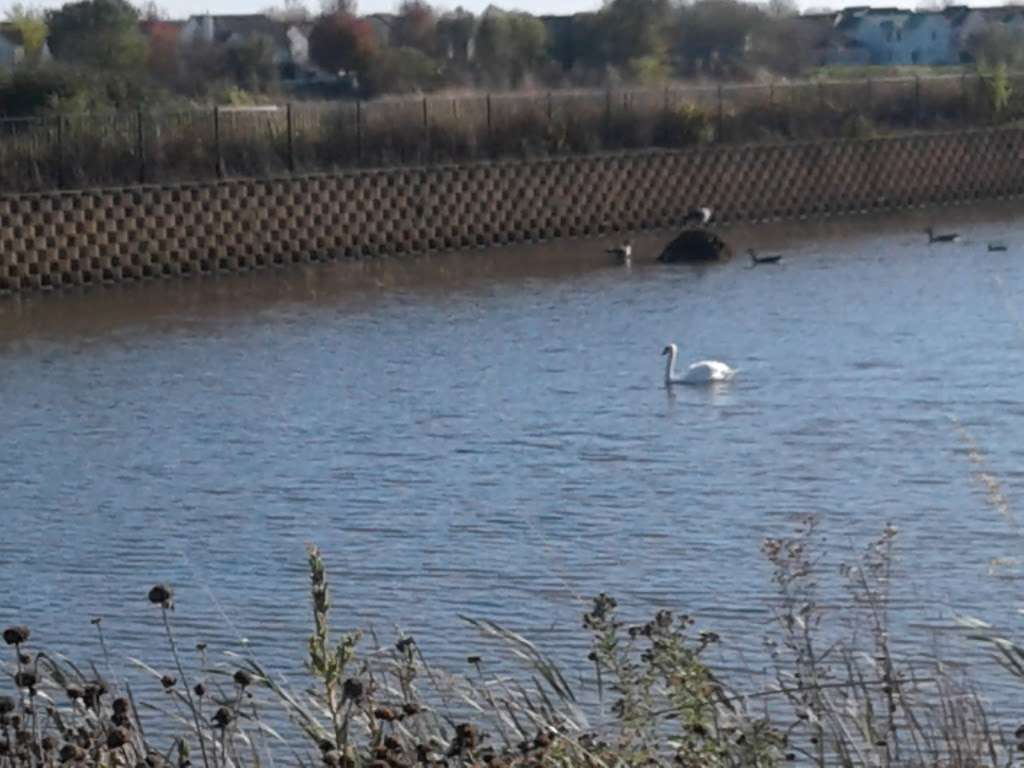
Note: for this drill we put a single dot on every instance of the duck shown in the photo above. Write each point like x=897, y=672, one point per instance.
x=701, y=372
x=948, y=237
x=771, y=258
x=699, y=216
x=997, y=246
x=623, y=253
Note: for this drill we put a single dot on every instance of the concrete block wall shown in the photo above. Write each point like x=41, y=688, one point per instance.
x=88, y=237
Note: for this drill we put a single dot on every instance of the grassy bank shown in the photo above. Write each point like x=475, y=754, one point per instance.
x=838, y=695
x=75, y=151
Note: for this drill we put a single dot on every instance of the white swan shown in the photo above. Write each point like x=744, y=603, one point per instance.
x=702, y=372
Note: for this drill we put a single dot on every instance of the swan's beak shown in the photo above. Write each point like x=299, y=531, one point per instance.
x=666, y=350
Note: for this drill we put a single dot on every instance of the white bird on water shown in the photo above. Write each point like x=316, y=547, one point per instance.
x=701, y=372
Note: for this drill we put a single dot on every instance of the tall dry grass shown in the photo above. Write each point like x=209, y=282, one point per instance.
x=125, y=148
x=839, y=694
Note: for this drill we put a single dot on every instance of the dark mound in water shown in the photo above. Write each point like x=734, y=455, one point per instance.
x=696, y=245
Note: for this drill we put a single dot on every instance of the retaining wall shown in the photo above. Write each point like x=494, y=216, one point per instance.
x=110, y=235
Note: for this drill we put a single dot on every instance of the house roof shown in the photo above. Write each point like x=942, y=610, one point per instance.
x=247, y=25
x=12, y=34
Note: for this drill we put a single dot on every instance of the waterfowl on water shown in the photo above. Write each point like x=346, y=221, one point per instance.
x=701, y=372
x=698, y=216
x=771, y=258
x=997, y=246
x=622, y=253
x=948, y=237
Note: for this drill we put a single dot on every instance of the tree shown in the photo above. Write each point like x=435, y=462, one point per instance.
x=289, y=12
x=996, y=44
x=98, y=33
x=783, y=9
x=455, y=35
x=716, y=36
x=416, y=27
x=341, y=42
x=510, y=45
x=32, y=26
x=634, y=29
x=331, y=7
x=401, y=70
x=250, y=63
x=162, y=59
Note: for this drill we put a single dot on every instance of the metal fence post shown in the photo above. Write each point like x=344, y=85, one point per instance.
x=219, y=169
x=550, y=107
x=359, y=131
x=490, y=127
x=917, y=100
x=60, y=152
x=426, y=130
x=965, y=106
x=140, y=145
x=721, y=115
x=771, y=95
x=291, y=138
x=607, y=117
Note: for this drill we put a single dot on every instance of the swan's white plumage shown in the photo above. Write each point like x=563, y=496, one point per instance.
x=701, y=372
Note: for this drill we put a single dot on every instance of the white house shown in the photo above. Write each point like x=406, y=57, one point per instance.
x=291, y=45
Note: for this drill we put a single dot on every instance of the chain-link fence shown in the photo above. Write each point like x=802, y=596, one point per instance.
x=147, y=147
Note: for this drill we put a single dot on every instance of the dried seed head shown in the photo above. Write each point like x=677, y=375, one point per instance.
x=74, y=693
x=386, y=714
x=168, y=682
x=71, y=753
x=352, y=690
x=25, y=679
x=243, y=678
x=411, y=709
x=93, y=693
x=200, y=690
x=48, y=743
x=161, y=595
x=17, y=635
x=392, y=743
x=120, y=705
x=117, y=738
x=473, y=660
x=223, y=717
x=6, y=705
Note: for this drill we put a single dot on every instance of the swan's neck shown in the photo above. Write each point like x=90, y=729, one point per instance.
x=670, y=366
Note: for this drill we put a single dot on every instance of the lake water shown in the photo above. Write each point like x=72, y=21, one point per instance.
x=488, y=434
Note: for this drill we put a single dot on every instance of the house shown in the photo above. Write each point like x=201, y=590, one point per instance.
x=291, y=43
x=12, y=46
x=383, y=25
x=895, y=36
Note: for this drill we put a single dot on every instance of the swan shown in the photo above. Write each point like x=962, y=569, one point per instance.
x=623, y=253
x=949, y=237
x=698, y=216
x=771, y=258
x=702, y=372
